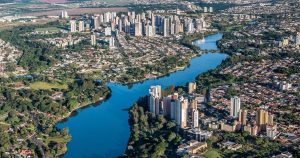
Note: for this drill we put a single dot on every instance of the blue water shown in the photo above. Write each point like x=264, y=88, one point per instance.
x=103, y=131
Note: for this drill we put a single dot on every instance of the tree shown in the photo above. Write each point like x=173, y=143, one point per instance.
x=4, y=139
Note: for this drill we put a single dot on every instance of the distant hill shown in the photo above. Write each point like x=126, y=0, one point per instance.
x=61, y=1
x=54, y=1
x=6, y=1
x=11, y=1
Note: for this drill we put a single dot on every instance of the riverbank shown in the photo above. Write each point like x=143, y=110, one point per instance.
x=141, y=144
x=107, y=127
x=196, y=53
x=222, y=83
x=82, y=106
x=160, y=142
x=72, y=113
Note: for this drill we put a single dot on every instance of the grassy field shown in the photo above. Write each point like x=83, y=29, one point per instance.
x=58, y=139
x=45, y=85
x=212, y=153
x=8, y=25
x=49, y=29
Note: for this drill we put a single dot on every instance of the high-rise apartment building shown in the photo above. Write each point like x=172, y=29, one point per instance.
x=195, y=118
x=166, y=27
x=243, y=116
x=271, y=131
x=173, y=107
x=64, y=14
x=182, y=107
x=153, y=24
x=193, y=104
x=111, y=43
x=154, y=99
x=192, y=87
x=107, y=31
x=235, y=106
x=93, y=40
x=263, y=118
x=73, y=25
x=298, y=39
x=120, y=25
x=149, y=30
x=96, y=22
x=138, y=29
x=81, y=26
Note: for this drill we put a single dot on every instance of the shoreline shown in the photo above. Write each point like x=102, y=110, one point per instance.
x=201, y=52
x=171, y=71
x=72, y=112
x=136, y=102
x=82, y=106
x=86, y=105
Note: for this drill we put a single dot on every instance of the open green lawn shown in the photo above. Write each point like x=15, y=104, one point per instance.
x=49, y=29
x=45, y=85
x=64, y=139
x=212, y=153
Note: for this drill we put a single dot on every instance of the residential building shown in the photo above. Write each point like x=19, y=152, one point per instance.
x=111, y=43
x=243, y=116
x=81, y=26
x=271, y=131
x=262, y=119
x=154, y=99
x=166, y=27
x=298, y=39
x=73, y=25
x=192, y=87
x=235, y=106
x=191, y=147
x=251, y=129
x=138, y=29
x=64, y=14
x=195, y=118
x=93, y=40
x=96, y=22
x=181, y=112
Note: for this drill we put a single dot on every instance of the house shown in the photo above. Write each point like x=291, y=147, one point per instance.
x=191, y=147
x=230, y=145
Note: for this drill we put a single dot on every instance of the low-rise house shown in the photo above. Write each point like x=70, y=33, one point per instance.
x=230, y=145
x=191, y=147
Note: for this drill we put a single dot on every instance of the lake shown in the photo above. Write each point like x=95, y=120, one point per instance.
x=103, y=130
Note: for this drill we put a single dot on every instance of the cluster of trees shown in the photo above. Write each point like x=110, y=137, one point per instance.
x=36, y=55
x=272, y=35
x=151, y=135
x=187, y=40
x=79, y=46
x=78, y=92
x=290, y=118
x=18, y=106
x=212, y=79
x=252, y=146
x=164, y=67
x=288, y=70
